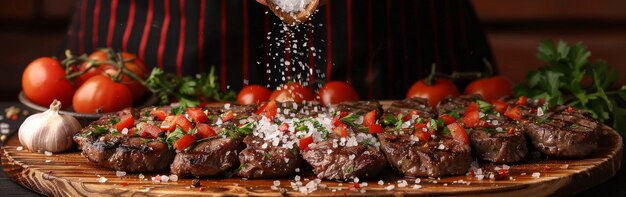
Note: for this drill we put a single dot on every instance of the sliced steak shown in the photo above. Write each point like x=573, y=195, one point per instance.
x=565, y=132
x=211, y=157
x=333, y=161
x=266, y=161
x=360, y=107
x=413, y=106
x=121, y=152
x=436, y=158
x=501, y=143
x=456, y=104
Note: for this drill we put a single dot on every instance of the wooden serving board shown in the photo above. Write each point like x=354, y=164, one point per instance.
x=70, y=174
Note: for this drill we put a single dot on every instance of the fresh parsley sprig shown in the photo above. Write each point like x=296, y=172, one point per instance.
x=562, y=81
x=189, y=91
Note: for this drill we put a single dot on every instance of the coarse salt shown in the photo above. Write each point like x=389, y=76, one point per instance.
x=417, y=186
x=390, y=187
x=536, y=175
x=102, y=179
x=173, y=178
x=165, y=178
x=19, y=148
x=120, y=173
x=381, y=182
x=141, y=176
x=291, y=6
x=47, y=153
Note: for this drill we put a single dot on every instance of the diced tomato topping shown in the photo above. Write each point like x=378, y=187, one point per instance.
x=284, y=127
x=502, y=173
x=409, y=115
x=471, y=119
x=183, y=123
x=521, y=100
x=131, y=131
x=375, y=128
x=511, y=131
x=197, y=115
x=123, y=183
x=204, y=130
x=546, y=168
x=447, y=119
x=304, y=143
x=473, y=106
x=343, y=114
x=542, y=101
x=336, y=121
x=513, y=113
x=570, y=109
x=227, y=116
x=458, y=133
x=149, y=131
x=420, y=133
x=369, y=118
x=499, y=106
x=271, y=110
x=169, y=123
x=341, y=130
x=159, y=114
x=125, y=122
x=184, y=142
x=261, y=109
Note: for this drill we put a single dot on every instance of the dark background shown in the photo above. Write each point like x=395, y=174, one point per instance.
x=35, y=28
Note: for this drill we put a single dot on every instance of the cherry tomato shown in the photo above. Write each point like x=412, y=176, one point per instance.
x=125, y=122
x=336, y=92
x=132, y=63
x=491, y=88
x=184, y=142
x=521, y=100
x=253, y=94
x=204, y=131
x=458, y=133
x=434, y=93
x=101, y=94
x=44, y=80
x=471, y=118
x=293, y=92
x=304, y=143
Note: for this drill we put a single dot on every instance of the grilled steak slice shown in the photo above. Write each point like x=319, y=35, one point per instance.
x=360, y=107
x=292, y=109
x=456, y=104
x=501, y=143
x=497, y=138
x=212, y=157
x=566, y=132
x=436, y=158
x=415, y=105
x=342, y=162
x=122, y=152
x=267, y=161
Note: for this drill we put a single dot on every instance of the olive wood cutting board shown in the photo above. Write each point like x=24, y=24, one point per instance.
x=70, y=174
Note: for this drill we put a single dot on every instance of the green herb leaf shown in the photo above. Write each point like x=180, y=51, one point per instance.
x=174, y=136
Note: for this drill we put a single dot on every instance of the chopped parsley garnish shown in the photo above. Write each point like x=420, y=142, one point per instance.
x=455, y=115
x=174, y=136
x=320, y=128
x=144, y=140
x=114, y=120
x=97, y=131
x=267, y=155
x=572, y=126
x=483, y=106
x=366, y=142
x=177, y=110
x=350, y=169
x=349, y=119
x=246, y=129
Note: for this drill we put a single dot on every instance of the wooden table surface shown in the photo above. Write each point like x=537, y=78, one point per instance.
x=613, y=187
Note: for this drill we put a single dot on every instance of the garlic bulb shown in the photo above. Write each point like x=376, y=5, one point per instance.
x=49, y=131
